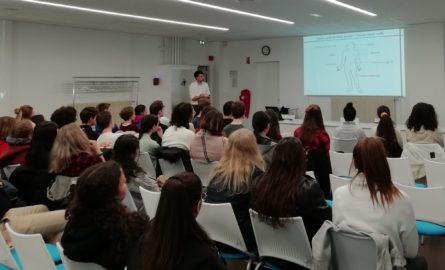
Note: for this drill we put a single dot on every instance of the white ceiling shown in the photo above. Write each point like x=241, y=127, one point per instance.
x=391, y=13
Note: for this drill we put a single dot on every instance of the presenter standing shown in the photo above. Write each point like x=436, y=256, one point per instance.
x=198, y=89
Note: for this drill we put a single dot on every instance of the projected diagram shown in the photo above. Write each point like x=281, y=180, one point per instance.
x=362, y=63
x=350, y=64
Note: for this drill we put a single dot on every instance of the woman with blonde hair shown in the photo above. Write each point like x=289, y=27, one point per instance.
x=231, y=180
x=72, y=152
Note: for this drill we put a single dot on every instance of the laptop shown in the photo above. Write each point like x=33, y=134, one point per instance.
x=275, y=109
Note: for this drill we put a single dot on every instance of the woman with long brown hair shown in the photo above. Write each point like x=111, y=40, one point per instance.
x=371, y=203
x=312, y=132
x=316, y=143
x=387, y=132
x=282, y=191
x=175, y=240
x=99, y=228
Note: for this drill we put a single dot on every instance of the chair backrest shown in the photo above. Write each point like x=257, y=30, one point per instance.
x=341, y=163
x=289, y=243
x=151, y=201
x=171, y=168
x=5, y=255
x=344, y=145
x=129, y=202
x=69, y=264
x=31, y=250
x=418, y=152
x=401, y=171
x=311, y=174
x=219, y=221
x=8, y=170
x=337, y=181
x=352, y=252
x=427, y=203
x=435, y=173
x=144, y=161
x=203, y=170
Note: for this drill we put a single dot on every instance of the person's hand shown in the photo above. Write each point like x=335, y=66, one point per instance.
x=160, y=132
x=94, y=146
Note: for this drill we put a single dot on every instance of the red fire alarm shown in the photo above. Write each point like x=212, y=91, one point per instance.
x=155, y=81
x=211, y=58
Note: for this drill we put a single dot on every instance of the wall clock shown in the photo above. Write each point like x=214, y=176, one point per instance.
x=265, y=50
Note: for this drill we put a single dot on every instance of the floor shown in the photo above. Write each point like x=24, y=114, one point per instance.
x=433, y=250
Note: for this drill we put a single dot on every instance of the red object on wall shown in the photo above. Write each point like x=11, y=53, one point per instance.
x=245, y=97
x=247, y=60
x=211, y=58
x=155, y=81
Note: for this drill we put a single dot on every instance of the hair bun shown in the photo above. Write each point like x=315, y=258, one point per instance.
x=349, y=105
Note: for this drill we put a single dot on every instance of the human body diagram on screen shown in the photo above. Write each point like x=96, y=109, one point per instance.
x=350, y=64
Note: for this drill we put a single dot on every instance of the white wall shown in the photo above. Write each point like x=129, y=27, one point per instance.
x=37, y=63
x=44, y=58
x=425, y=70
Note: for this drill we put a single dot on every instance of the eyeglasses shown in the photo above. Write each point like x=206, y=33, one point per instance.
x=203, y=196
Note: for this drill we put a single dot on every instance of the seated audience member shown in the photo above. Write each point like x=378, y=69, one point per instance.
x=227, y=111
x=383, y=110
x=207, y=145
x=125, y=152
x=157, y=108
x=18, y=144
x=238, y=109
x=64, y=115
x=175, y=240
x=274, y=130
x=316, y=143
x=149, y=125
x=371, y=203
x=105, y=122
x=7, y=125
x=231, y=180
x=127, y=114
x=104, y=107
x=24, y=112
x=88, y=118
x=285, y=191
x=72, y=152
x=202, y=103
x=139, y=112
x=33, y=179
x=37, y=119
x=348, y=128
x=100, y=229
x=422, y=125
x=386, y=131
x=261, y=126
x=178, y=134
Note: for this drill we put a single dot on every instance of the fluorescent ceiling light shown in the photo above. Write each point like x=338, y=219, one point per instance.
x=335, y=2
x=106, y=12
x=236, y=11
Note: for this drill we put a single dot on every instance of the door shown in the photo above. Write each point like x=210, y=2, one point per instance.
x=267, y=86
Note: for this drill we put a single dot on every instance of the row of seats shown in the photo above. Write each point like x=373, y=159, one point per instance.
x=219, y=221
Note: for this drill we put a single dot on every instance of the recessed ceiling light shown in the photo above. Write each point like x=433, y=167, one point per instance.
x=106, y=12
x=237, y=11
x=315, y=15
x=335, y=2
